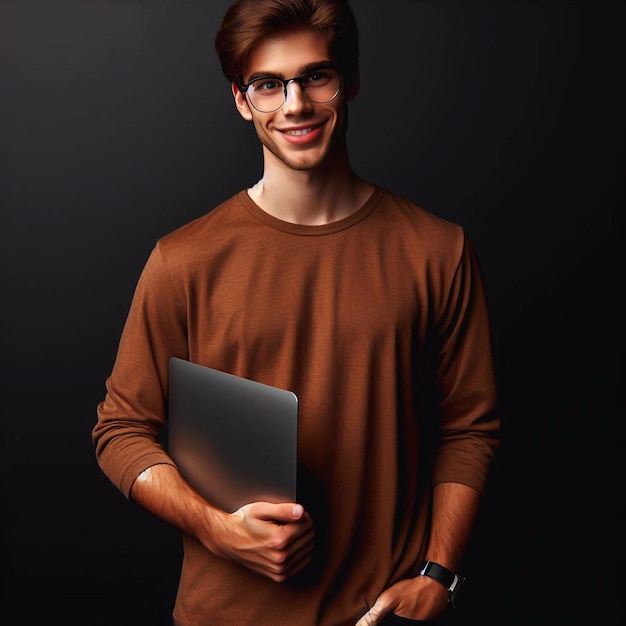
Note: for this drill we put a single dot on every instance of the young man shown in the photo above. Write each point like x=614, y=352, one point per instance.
x=366, y=306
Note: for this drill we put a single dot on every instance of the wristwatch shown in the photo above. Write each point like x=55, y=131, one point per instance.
x=451, y=581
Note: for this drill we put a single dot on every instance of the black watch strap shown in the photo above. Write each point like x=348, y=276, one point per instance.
x=451, y=581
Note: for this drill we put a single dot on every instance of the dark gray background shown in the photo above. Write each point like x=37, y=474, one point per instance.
x=117, y=126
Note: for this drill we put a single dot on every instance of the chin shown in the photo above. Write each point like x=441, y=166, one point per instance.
x=306, y=162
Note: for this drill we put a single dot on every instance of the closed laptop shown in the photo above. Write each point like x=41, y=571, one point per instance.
x=233, y=439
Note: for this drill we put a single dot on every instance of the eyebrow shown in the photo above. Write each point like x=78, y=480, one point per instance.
x=301, y=70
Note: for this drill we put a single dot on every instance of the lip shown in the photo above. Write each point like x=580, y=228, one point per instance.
x=300, y=138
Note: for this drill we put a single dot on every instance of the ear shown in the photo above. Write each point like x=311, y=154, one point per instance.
x=353, y=81
x=241, y=102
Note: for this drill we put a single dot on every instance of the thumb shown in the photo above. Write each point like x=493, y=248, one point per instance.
x=297, y=511
x=284, y=512
x=375, y=615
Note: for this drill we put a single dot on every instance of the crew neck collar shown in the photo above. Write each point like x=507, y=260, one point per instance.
x=302, y=229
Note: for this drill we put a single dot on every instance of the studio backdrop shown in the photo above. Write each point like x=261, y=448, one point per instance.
x=116, y=126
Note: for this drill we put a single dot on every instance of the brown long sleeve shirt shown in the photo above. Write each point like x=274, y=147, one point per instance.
x=379, y=324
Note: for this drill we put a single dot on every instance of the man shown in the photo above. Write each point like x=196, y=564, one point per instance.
x=366, y=306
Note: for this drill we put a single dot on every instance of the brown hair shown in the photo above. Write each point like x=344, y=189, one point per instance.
x=247, y=22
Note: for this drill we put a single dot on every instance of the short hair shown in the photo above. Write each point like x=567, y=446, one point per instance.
x=247, y=22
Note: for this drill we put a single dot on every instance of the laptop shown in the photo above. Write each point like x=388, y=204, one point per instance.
x=233, y=439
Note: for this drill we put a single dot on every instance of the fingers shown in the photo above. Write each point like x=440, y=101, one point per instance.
x=287, y=560
x=275, y=540
x=280, y=566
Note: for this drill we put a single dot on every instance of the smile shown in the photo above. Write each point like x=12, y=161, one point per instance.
x=302, y=136
x=298, y=132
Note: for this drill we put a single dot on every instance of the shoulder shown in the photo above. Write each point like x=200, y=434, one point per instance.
x=421, y=227
x=186, y=251
x=211, y=222
x=198, y=238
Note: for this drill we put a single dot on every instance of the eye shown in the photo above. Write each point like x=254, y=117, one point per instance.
x=317, y=78
x=267, y=86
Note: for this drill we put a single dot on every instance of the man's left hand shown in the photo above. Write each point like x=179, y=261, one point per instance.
x=419, y=598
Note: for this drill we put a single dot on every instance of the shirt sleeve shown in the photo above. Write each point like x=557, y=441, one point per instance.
x=130, y=418
x=465, y=379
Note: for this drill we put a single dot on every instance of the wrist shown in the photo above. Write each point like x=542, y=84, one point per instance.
x=449, y=579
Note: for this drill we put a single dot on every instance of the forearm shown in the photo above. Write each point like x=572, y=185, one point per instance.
x=274, y=540
x=421, y=598
x=162, y=491
x=455, y=508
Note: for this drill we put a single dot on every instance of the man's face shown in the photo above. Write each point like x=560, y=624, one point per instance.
x=300, y=134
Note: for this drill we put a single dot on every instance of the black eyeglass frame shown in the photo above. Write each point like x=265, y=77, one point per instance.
x=243, y=87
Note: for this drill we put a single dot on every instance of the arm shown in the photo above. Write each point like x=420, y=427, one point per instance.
x=469, y=439
x=274, y=540
x=455, y=507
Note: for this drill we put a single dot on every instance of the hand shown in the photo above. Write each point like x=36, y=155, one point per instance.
x=419, y=598
x=274, y=540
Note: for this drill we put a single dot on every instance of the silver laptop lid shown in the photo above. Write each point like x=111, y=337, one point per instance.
x=234, y=439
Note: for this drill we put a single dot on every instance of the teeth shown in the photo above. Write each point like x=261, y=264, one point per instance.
x=304, y=131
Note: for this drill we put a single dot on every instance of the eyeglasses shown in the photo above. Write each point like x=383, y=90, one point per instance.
x=268, y=93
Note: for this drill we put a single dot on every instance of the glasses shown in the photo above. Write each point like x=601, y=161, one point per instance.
x=268, y=93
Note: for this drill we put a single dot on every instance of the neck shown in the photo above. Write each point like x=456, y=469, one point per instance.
x=325, y=194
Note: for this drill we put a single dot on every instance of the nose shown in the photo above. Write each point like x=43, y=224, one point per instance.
x=295, y=98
